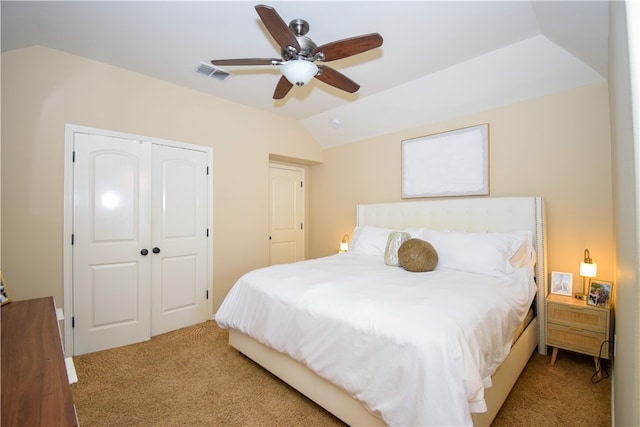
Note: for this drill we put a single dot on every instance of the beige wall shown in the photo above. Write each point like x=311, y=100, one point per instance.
x=556, y=146
x=43, y=89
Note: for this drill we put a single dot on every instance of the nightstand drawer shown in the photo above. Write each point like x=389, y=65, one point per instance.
x=577, y=339
x=578, y=316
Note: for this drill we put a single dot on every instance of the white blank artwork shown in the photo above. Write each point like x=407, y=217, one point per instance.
x=454, y=163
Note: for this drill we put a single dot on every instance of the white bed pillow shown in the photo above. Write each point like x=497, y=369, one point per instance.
x=416, y=233
x=525, y=256
x=368, y=240
x=484, y=253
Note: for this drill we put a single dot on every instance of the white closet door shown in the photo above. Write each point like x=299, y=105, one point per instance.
x=179, y=236
x=111, y=276
x=140, y=251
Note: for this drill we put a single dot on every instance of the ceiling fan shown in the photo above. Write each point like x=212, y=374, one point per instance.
x=299, y=54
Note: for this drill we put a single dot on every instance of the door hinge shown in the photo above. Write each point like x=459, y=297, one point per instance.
x=207, y=293
x=207, y=170
x=73, y=239
x=300, y=184
x=73, y=321
x=300, y=226
x=73, y=157
x=207, y=232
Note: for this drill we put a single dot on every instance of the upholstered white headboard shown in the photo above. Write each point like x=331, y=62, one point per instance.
x=482, y=214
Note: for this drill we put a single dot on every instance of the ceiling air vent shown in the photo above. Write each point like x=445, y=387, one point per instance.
x=211, y=71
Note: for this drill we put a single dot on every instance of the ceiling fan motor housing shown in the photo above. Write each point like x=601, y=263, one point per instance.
x=307, y=47
x=300, y=28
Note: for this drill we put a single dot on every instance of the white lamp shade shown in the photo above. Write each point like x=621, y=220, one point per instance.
x=299, y=72
x=588, y=269
x=344, y=245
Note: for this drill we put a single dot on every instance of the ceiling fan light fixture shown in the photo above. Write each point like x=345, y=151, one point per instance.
x=299, y=71
x=299, y=54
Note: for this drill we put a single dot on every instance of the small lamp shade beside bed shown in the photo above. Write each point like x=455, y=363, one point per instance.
x=588, y=268
x=344, y=245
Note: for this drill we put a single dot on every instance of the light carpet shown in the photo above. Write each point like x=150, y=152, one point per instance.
x=192, y=377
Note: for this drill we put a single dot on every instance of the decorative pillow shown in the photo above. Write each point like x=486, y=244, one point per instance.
x=484, y=253
x=396, y=238
x=417, y=255
x=369, y=240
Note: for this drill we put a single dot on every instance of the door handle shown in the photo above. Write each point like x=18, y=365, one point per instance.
x=144, y=252
x=156, y=250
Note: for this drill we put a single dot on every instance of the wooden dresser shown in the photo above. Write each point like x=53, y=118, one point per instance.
x=35, y=385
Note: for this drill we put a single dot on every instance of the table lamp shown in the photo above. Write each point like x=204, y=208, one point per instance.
x=344, y=245
x=588, y=268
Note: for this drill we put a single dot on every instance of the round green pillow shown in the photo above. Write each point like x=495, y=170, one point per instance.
x=417, y=255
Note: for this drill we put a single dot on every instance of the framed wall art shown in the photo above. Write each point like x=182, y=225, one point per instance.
x=4, y=292
x=599, y=293
x=454, y=163
x=561, y=283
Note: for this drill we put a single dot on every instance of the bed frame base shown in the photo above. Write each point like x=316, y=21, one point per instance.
x=327, y=395
x=352, y=411
x=507, y=374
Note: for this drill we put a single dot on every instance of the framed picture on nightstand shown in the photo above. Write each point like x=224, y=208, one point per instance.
x=4, y=292
x=561, y=283
x=599, y=293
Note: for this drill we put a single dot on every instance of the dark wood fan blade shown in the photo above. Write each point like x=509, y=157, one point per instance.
x=277, y=27
x=336, y=79
x=349, y=47
x=247, y=61
x=282, y=88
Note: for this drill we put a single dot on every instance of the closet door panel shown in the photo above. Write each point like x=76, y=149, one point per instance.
x=111, y=277
x=179, y=268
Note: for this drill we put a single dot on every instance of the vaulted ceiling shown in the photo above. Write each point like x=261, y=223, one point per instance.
x=440, y=59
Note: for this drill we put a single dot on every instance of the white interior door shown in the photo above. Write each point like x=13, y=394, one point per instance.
x=140, y=240
x=179, y=236
x=111, y=277
x=287, y=214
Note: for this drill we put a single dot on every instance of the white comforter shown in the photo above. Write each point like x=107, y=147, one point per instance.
x=416, y=348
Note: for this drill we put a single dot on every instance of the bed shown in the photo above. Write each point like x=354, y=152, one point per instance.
x=389, y=369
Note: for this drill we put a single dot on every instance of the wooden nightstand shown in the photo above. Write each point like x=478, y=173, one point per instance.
x=572, y=324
